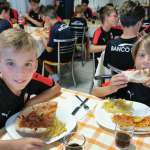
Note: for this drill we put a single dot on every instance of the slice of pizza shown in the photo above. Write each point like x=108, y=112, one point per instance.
x=36, y=119
x=139, y=123
x=137, y=76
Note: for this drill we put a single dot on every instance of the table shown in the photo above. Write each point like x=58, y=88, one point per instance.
x=38, y=38
x=97, y=138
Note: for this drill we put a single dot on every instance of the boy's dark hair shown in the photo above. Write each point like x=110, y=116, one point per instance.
x=35, y=1
x=110, y=4
x=130, y=13
x=85, y=1
x=50, y=11
x=4, y=6
x=105, y=11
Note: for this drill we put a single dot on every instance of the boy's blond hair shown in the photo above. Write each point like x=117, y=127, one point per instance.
x=143, y=42
x=106, y=11
x=17, y=39
x=78, y=9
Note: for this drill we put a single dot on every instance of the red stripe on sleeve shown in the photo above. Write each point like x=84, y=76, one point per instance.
x=96, y=36
x=45, y=80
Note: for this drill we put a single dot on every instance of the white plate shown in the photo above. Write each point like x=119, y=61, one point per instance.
x=105, y=119
x=62, y=115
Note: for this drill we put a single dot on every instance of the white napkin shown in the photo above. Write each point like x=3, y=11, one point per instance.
x=69, y=102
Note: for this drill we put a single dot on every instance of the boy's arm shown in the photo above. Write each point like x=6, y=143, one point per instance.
x=39, y=24
x=97, y=48
x=25, y=143
x=103, y=91
x=117, y=82
x=45, y=95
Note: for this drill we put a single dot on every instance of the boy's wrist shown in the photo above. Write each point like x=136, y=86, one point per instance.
x=112, y=89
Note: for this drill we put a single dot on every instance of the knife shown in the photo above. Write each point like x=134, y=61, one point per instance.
x=78, y=108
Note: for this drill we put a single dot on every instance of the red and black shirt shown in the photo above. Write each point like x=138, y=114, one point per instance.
x=11, y=103
x=102, y=37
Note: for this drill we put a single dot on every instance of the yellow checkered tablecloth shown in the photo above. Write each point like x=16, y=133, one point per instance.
x=97, y=138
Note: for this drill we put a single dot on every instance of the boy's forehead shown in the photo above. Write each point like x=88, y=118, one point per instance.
x=12, y=51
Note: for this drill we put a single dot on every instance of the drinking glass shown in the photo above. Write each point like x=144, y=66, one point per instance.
x=74, y=141
x=123, y=136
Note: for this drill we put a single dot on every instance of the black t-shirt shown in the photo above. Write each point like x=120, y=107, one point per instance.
x=4, y=25
x=58, y=31
x=118, y=53
x=36, y=16
x=11, y=104
x=102, y=37
x=135, y=92
x=78, y=22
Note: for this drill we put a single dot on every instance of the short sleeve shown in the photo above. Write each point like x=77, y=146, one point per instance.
x=96, y=36
x=40, y=83
x=51, y=42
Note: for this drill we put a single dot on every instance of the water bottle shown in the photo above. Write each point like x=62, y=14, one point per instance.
x=21, y=21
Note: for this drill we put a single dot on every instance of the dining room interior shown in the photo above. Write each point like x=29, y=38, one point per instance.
x=74, y=74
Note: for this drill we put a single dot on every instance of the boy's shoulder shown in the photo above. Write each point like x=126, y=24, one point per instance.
x=44, y=80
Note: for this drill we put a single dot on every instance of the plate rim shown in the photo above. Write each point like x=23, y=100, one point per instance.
x=54, y=139
x=99, y=106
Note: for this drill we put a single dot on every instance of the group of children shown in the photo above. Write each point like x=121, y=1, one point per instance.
x=18, y=63
x=130, y=50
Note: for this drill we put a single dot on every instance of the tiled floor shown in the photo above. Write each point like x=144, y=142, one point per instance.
x=83, y=75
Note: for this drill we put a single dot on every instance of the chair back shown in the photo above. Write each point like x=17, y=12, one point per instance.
x=79, y=33
x=65, y=48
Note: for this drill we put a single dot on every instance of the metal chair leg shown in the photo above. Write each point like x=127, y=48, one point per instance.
x=72, y=72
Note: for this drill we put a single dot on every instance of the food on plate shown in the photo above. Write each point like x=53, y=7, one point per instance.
x=118, y=106
x=36, y=119
x=56, y=128
x=41, y=32
x=140, y=123
x=137, y=76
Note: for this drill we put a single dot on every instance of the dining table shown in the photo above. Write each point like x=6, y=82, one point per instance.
x=97, y=137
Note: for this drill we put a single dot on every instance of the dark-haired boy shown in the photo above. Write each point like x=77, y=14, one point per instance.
x=58, y=30
x=4, y=17
x=33, y=16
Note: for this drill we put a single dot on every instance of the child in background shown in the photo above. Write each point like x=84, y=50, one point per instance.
x=119, y=86
x=87, y=10
x=106, y=32
x=118, y=51
x=33, y=16
x=78, y=19
x=19, y=80
x=4, y=17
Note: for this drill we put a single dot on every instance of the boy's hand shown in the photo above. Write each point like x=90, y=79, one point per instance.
x=118, y=81
x=147, y=83
x=28, y=144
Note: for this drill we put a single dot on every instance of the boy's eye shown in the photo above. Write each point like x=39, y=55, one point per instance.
x=28, y=64
x=10, y=63
x=141, y=55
